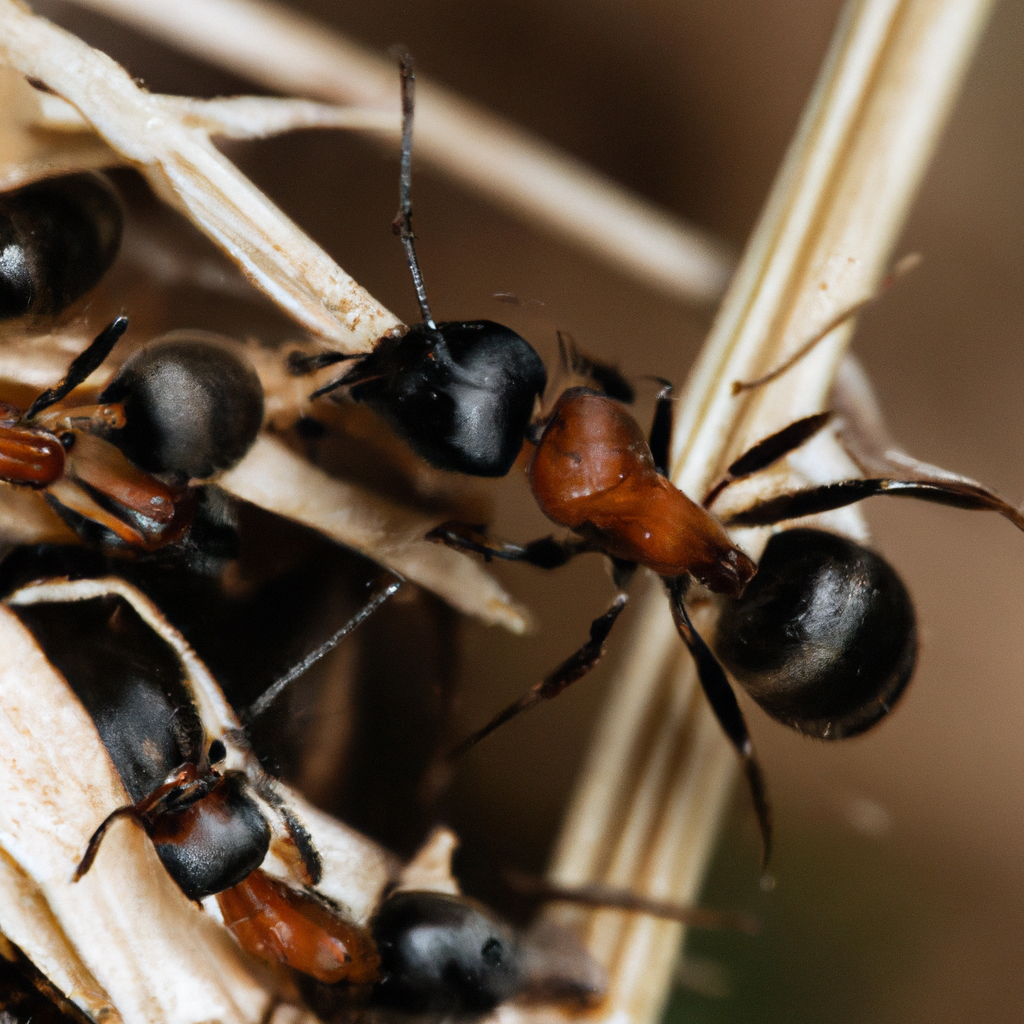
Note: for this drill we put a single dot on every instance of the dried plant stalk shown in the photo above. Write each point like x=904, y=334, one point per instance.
x=273, y=477
x=280, y=49
x=659, y=773
x=185, y=168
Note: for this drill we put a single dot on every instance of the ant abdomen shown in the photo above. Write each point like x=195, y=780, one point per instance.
x=444, y=954
x=824, y=638
x=461, y=394
x=193, y=406
x=58, y=238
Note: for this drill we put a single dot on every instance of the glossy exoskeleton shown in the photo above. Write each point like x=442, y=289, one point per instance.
x=119, y=472
x=209, y=823
x=58, y=237
x=192, y=406
x=132, y=684
x=817, y=603
x=824, y=638
x=444, y=954
x=210, y=827
x=461, y=394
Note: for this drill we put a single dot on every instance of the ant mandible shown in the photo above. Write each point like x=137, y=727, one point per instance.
x=460, y=394
x=824, y=637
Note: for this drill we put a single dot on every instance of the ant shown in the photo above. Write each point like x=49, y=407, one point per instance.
x=204, y=802
x=120, y=472
x=460, y=394
x=823, y=637
x=201, y=798
x=58, y=237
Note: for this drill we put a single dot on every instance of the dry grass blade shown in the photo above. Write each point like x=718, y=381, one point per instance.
x=274, y=478
x=125, y=936
x=185, y=168
x=280, y=49
x=647, y=805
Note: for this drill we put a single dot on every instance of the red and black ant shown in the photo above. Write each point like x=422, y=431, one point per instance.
x=422, y=951
x=58, y=237
x=120, y=472
x=823, y=636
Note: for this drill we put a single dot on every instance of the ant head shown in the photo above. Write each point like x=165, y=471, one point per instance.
x=193, y=406
x=215, y=843
x=59, y=236
x=444, y=954
x=824, y=638
x=460, y=394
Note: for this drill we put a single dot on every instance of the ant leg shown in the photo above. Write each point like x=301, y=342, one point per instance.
x=769, y=450
x=958, y=493
x=546, y=553
x=312, y=862
x=81, y=366
x=902, y=268
x=725, y=706
x=660, y=438
x=604, y=896
x=574, y=667
x=608, y=378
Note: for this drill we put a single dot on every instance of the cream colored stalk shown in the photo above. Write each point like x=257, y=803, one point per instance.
x=269, y=44
x=659, y=773
x=172, y=148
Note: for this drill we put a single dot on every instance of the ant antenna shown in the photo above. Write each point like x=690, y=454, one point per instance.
x=902, y=268
x=403, y=221
x=81, y=366
x=267, y=698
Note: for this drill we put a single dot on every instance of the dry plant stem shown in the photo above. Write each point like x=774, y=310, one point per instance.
x=185, y=168
x=659, y=774
x=280, y=49
x=274, y=478
x=157, y=958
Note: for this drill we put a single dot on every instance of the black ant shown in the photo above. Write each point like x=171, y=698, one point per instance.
x=823, y=638
x=58, y=237
x=208, y=821
x=120, y=472
x=421, y=950
x=460, y=394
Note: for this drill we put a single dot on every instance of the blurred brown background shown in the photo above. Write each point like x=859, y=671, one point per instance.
x=899, y=895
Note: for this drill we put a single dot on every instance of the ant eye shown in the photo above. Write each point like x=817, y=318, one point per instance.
x=491, y=954
x=193, y=406
x=824, y=638
x=58, y=238
x=217, y=752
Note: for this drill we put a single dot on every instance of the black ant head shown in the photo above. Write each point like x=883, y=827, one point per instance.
x=59, y=237
x=460, y=394
x=193, y=406
x=216, y=843
x=824, y=638
x=444, y=954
